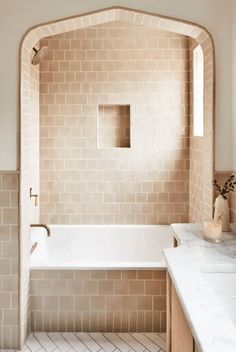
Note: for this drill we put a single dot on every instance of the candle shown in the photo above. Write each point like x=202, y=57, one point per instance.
x=213, y=229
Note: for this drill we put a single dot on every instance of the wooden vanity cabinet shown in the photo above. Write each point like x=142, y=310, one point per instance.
x=179, y=336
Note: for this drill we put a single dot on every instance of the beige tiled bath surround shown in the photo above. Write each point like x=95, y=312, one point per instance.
x=9, y=258
x=136, y=18
x=150, y=182
x=94, y=300
x=114, y=63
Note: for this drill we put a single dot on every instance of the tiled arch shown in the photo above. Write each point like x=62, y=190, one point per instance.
x=200, y=34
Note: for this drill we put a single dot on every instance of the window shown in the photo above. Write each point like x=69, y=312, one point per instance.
x=198, y=92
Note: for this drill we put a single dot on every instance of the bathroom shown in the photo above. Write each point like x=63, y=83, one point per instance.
x=110, y=151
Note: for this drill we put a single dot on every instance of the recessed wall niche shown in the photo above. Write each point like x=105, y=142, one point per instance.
x=113, y=126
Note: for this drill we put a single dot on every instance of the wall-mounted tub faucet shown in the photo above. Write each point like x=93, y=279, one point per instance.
x=46, y=227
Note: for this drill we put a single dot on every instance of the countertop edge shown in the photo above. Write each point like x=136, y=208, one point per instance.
x=190, y=248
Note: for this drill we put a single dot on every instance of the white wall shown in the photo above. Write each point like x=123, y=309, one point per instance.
x=16, y=17
x=233, y=12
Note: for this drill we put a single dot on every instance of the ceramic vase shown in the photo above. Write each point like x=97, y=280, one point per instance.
x=222, y=212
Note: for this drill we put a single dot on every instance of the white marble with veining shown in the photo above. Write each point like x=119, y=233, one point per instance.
x=210, y=324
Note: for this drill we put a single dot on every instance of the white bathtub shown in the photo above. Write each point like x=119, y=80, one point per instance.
x=100, y=247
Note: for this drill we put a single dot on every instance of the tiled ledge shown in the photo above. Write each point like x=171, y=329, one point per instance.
x=9, y=172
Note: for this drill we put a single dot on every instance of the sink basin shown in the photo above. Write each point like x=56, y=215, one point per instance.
x=223, y=268
x=229, y=304
x=223, y=283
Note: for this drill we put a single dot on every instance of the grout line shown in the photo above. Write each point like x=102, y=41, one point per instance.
x=51, y=340
x=155, y=342
x=125, y=342
x=57, y=347
x=142, y=343
x=96, y=342
x=121, y=341
x=116, y=348
x=37, y=349
x=87, y=345
x=42, y=345
x=161, y=338
x=71, y=344
x=129, y=344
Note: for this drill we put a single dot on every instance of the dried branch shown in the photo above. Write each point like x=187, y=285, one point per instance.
x=228, y=186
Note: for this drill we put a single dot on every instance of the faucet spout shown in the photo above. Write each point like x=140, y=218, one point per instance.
x=46, y=227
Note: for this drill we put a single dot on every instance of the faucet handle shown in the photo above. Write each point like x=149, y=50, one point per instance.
x=35, y=196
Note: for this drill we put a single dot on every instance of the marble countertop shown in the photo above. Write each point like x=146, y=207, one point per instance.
x=210, y=324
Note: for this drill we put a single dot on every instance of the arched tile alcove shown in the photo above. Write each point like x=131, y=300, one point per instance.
x=200, y=185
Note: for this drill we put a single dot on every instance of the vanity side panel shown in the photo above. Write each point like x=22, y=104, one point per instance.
x=168, y=312
x=181, y=337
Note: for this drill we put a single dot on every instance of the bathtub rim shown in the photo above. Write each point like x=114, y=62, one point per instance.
x=108, y=226
x=104, y=266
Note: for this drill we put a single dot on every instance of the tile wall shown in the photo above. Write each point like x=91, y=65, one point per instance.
x=114, y=63
x=107, y=300
x=9, y=258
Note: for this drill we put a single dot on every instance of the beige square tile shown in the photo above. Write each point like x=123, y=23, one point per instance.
x=97, y=303
x=51, y=303
x=105, y=287
x=159, y=303
x=113, y=303
x=89, y=287
x=137, y=287
x=9, y=182
x=145, y=274
x=129, y=303
x=152, y=287
x=121, y=287
x=66, y=303
x=98, y=274
x=113, y=274
x=82, y=303
x=144, y=303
